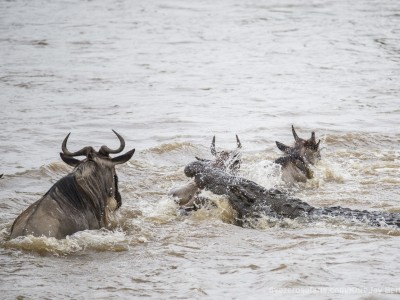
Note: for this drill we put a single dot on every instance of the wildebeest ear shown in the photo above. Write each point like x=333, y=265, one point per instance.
x=283, y=147
x=123, y=158
x=73, y=162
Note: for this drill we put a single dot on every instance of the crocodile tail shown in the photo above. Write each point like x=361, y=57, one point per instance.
x=373, y=218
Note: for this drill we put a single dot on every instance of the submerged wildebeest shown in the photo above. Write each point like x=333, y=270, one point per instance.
x=84, y=199
x=297, y=160
x=187, y=196
x=252, y=201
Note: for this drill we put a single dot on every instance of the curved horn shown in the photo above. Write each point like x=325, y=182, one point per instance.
x=83, y=151
x=212, y=147
x=105, y=150
x=296, y=137
x=239, y=144
x=123, y=158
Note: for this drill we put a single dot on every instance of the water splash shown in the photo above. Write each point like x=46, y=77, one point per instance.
x=78, y=243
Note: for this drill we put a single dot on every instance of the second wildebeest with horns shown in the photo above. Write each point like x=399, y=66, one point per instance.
x=187, y=196
x=84, y=199
x=297, y=160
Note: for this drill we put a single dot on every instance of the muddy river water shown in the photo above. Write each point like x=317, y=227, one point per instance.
x=168, y=76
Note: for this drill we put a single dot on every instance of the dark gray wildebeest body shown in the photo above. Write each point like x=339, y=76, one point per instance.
x=297, y=160
x=187, y=196
x=252, y=201
x=84, y=199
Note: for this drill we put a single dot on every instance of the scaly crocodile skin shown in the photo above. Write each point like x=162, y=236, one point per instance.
x=251, y=200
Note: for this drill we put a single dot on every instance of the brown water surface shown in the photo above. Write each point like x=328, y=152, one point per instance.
x=168, y=75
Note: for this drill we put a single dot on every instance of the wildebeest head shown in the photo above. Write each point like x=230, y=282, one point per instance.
x=226, y=160
x=295, y=164
x=308, y=150
x=98, y=165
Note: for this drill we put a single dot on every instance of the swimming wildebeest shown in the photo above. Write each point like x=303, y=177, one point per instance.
x=187, y=196
x=296, y=163
x=84, y=199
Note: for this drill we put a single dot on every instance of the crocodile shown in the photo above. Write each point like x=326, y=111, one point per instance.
x=252, y=201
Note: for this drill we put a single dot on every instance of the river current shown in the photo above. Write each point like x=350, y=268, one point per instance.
x=168, y=76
